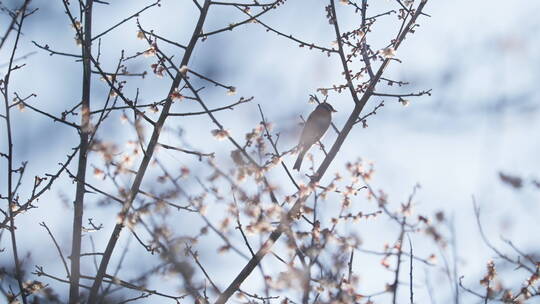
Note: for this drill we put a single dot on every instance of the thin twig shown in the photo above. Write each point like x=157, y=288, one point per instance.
x=57, y=248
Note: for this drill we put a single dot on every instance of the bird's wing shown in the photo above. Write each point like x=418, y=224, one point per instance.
x=315, y=127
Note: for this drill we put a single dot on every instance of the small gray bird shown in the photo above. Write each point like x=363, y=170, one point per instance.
x=316, y=125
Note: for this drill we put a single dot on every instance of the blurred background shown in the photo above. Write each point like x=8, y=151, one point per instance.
x=480, y=58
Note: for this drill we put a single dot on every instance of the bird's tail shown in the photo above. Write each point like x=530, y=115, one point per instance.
x=298, y=162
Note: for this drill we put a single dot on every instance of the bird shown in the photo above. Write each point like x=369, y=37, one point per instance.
x=316, y=125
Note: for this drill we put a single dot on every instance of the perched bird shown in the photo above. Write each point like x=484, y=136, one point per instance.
x=316, y=125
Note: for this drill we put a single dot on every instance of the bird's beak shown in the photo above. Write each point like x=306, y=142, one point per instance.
x=334, y=111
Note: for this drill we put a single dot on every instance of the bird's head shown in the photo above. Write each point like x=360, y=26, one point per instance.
x=326, y=106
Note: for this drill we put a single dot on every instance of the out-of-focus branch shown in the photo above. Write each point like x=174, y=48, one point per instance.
x=503, y=256
x=13, y=22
